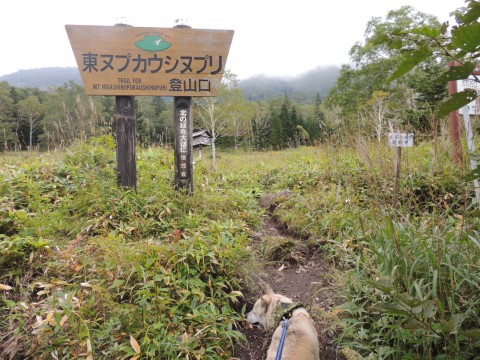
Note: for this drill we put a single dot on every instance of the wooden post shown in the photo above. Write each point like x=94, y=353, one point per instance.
x=457, y=154
x=125, y=130
x=397, y=177
x=183, y=150
x=183, y=134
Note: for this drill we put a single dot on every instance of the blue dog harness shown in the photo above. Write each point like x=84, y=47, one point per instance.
x=285, y=317
x=282, y=339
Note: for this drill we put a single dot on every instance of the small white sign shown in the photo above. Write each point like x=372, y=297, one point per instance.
x=470, y=83
x=400, y=139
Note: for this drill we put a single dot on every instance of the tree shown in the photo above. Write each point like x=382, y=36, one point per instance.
x=276, y=129
x=423, y=43
x=216, y=113
x=286, y=123
x=355, y=87
x=459, y=44
x=375, y=49
x=72, y=115
x=377, y=108
x=374, y=60
x=261, y=126
x=7, y=128
x=31, y=110
x=319, y=116
x=153, y=128
x=317, y=126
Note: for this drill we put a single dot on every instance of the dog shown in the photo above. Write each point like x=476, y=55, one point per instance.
x=301, y=340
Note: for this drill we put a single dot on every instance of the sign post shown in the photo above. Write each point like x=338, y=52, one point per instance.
x=473, y=108
x=471, y=149
x=399, y=140
x=126, y=134
x=183, y=148
x=126, y=137
x=126, y=61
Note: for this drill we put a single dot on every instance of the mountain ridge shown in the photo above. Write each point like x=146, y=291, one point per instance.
x=303, y=87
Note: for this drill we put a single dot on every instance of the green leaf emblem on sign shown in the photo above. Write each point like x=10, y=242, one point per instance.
x=153, y=43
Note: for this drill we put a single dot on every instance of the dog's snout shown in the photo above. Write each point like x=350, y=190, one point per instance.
x=252, y=318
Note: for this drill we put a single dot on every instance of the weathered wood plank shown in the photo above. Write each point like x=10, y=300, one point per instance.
x=125, y=130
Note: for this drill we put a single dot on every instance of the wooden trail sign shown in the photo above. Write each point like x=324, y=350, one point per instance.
x=131, y=61
x=398, y=141
x=470, y=83
x=125, y=61
x=453, y=88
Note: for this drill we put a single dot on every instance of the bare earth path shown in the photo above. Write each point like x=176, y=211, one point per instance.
x=306, y=281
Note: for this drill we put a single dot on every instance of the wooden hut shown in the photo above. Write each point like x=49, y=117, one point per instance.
x=201, y=138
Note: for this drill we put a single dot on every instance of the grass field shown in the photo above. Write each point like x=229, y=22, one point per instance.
x=90, y=270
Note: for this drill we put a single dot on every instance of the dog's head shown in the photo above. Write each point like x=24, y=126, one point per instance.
x=264, y=309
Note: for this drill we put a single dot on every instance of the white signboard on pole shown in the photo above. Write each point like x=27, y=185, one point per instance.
x=471, y=149
x=470, y=83
x=401, y=139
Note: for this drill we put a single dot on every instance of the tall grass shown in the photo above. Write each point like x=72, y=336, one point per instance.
x=91, y=270
x=409, y=276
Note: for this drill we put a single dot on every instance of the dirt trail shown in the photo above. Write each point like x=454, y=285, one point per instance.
x=305, y=280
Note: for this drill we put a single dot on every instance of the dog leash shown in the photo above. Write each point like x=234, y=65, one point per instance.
x=282, y=339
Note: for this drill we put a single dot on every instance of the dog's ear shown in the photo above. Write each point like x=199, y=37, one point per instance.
x=268, y=289
x=265, y=301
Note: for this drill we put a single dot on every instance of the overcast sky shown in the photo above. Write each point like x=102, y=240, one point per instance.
x=280, y=38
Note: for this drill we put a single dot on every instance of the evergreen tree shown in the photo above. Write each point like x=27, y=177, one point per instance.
x=288, y=129
x=158, y=105
x=319, y=115
x=108, y=111
x=292, y=125
x=7, y=125
x=276, y=133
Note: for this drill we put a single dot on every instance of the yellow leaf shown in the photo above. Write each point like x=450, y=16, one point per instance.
x=63, y=320
x=5, y=287
x=59, y=282
x=336, y=311
x=237, y=293
x=50, y=318
x=135, y=345
x=45, y=286
x=24, y=305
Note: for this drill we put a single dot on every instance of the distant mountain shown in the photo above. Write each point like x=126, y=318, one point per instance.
x=301, y=88
x=42, y=78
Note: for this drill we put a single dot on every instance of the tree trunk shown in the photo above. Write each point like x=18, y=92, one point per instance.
x=30, y=146
x=214, y=150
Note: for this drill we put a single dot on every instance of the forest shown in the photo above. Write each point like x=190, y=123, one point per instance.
x=362, y=101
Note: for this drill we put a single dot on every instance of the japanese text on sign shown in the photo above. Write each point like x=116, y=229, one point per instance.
x=127, y=60
x=153, y=64
x=470, y=83
x=184, y=145
x=401, y=139
x=175, y=85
